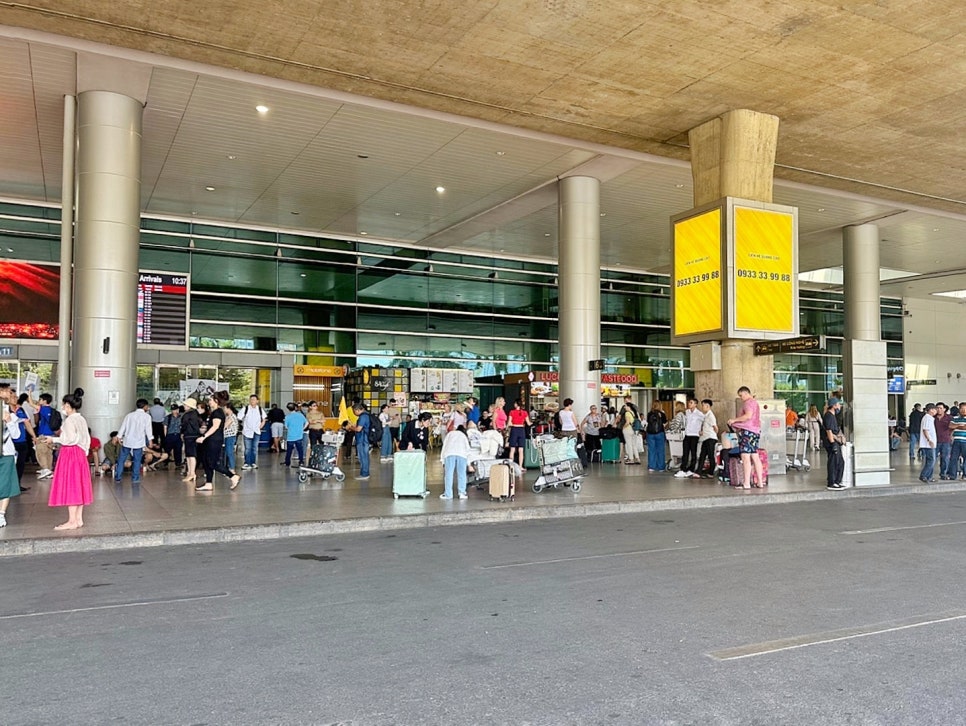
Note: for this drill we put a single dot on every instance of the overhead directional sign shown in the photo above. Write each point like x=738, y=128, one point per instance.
x=803, y=344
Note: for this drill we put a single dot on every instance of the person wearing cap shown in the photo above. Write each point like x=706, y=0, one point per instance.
x=172, y=435
x=832, y=441
x=927, y=443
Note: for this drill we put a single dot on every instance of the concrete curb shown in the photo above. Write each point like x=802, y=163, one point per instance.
x=497, y=515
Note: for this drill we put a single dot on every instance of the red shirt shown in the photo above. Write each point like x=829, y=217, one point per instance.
x=518, y=417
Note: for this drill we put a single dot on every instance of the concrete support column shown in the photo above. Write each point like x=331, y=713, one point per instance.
x=864, y=357
x=734, y=156
x=579, y=290
x=103, y=354
x=860, y=255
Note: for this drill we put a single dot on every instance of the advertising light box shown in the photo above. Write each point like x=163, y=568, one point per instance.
x=765, y=271
x=696, y=283
x=735, y=272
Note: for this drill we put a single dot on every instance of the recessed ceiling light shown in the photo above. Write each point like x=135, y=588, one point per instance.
x=603, y=214
x=362, y=232
x=301, y=274
x=546, y=234
x=935, y=229
x=440, y=189
x=397, y=213
x=209, y=189
x=261, y=109
x=232, y=157
x=501, y=153
x=821, y=209
x=9, y=249
x=679, y=186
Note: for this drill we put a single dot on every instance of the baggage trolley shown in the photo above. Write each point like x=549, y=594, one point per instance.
x=559, y=464
x=322, y=459
x=675, y=443
x=797, y=458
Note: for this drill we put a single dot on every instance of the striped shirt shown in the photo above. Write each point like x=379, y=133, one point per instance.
x=959, y=434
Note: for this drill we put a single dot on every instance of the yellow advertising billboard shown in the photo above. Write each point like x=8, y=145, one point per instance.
x=764, y=271
x=696, y=274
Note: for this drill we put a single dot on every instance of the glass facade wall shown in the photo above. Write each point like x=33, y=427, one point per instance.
x=366, y=303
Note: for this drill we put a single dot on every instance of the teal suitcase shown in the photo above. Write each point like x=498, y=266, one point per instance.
x=531, y=457
x=409, y=474
x=610, y=450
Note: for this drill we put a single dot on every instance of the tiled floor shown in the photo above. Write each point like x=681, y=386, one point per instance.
x=273, y=495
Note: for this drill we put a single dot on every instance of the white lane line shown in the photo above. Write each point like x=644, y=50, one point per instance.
x=132, y=604
x=833, y=636
x=588, y=557
x=899, y=529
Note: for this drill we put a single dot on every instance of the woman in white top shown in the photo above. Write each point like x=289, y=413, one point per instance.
x=9, y=430
x=568, y=419
x=71, y=485
x=455, y=457
x=813, y=419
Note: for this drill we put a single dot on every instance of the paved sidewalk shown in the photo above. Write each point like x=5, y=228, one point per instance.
x=271, y=503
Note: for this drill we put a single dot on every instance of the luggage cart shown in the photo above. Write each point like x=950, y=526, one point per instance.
x=797, y=458
x=675, y=443
x=559, y=463
x=322, y=459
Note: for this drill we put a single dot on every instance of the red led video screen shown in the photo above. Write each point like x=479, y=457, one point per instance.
x=29, y=300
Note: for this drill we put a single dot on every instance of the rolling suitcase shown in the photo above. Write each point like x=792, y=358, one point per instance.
x=610, y=451
x=736, y=472
x=409, y=474
x=502, y=484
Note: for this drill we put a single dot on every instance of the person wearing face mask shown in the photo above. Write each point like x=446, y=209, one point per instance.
x=71, y=485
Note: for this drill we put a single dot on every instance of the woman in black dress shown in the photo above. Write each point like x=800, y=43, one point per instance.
x=213, y=440
x=190, y=431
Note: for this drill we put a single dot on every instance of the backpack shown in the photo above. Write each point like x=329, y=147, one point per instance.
x=375, y=430
x=654, y=423
x=557, y=423
x=55, y=420
x=637, y=426
x=261, y=412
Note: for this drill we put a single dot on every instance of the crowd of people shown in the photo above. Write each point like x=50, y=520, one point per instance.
x=200, y=438
x=937, y=438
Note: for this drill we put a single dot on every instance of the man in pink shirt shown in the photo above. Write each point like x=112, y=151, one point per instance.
x=748, y=425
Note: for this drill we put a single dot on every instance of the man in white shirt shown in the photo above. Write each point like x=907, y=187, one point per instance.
x=927, y=444
x=708, y=439
x=693, y=421
x=135, y=434
x=252, y=419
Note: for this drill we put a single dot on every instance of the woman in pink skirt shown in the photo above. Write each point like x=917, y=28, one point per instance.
x=71, y=486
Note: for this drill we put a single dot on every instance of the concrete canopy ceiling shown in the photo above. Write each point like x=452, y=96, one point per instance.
x=871, y=97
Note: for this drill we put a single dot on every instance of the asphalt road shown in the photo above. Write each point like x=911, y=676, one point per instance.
x=784, y=614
